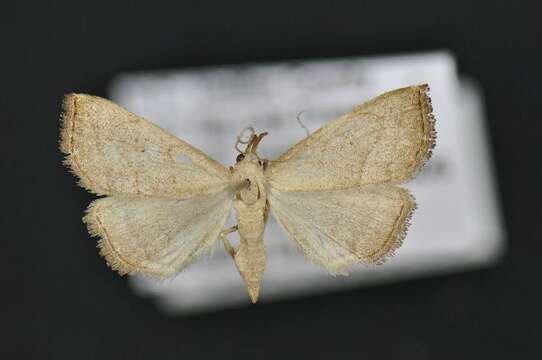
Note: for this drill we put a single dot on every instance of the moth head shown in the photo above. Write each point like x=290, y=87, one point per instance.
x=249, y=154
x=248, y=158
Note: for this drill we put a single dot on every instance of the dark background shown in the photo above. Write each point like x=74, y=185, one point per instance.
x=58, y=298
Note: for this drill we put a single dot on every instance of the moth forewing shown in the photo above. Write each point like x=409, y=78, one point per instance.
x=114, y=152
x=385, y=140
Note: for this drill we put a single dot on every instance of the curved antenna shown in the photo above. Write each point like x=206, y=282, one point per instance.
x=298, y=117
x=248, y=141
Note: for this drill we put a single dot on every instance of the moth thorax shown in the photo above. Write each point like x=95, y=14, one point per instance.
x=250, y=175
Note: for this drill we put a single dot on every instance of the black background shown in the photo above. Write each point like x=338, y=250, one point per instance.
x=60, y=301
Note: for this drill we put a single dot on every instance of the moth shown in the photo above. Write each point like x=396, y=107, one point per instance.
x=165, y=204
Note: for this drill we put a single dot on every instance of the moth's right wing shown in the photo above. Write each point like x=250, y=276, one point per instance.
x=334, y=193
x=384, y=140
x=337, y=229
x=115, y=152
x=157, y=236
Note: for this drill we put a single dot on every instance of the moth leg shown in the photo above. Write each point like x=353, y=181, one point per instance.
x=266, y=212
x=227, y=245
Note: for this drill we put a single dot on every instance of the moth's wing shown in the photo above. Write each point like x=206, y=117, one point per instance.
x=340, y=228
x=157, y=236
x=384, y=140
x=115, y=152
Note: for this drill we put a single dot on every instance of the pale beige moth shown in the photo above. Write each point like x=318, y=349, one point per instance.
x=166, y=203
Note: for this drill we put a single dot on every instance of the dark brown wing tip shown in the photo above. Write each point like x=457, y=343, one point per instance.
x=67, y=115
x=68, y=118
x=429, y=131
x=67, y=124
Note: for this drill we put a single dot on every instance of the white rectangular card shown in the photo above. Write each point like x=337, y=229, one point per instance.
x=457, y=225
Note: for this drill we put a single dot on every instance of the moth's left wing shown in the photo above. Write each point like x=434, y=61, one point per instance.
x=157, y=236
x=337, y=229
x=384, y=140
x=115, y=152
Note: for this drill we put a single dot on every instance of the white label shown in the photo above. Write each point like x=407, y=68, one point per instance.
x=456, y=226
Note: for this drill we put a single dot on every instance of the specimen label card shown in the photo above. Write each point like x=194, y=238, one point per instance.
x=457, y=225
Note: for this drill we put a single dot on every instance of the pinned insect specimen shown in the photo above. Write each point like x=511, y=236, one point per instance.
x=335, y=193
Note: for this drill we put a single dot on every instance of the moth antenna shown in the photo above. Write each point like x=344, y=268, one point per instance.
x=298, y=117
x=254, y=144
x=241, y=141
